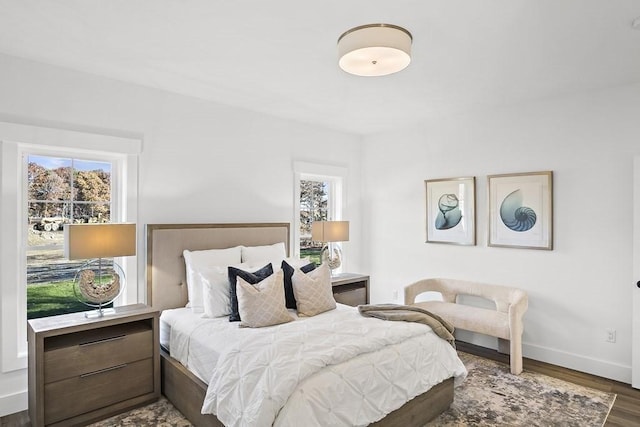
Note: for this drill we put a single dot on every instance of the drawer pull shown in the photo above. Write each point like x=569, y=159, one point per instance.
x=119, y=337
x=102, y=371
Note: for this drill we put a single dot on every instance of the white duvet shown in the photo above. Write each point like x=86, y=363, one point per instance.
x=337, y=368
x=197, y=342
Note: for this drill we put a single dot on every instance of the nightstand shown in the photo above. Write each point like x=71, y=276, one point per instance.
x=350, y=289
x=82, y=370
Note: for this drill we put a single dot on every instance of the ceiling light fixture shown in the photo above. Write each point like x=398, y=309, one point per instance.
x=374, y=50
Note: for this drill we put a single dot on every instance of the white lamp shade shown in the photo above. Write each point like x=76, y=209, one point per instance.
x=330, y=231
x=85, y=241
x=374, y=50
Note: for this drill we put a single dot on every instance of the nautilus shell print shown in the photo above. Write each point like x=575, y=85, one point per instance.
x=515, y=216
x=450, y=214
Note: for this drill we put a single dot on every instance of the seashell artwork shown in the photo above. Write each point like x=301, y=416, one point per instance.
x=515, y=216
x=521, y=210
x=450, y=211
x=450, y=214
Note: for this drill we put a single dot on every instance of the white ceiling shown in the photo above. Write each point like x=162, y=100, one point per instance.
x=279, y=56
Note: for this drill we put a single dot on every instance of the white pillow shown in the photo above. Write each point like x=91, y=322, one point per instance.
x=273, y=254
x=196, y=261
x=297, y=262
x=313, y=291
x=216, y=295
x=262, y=304
x=215, y=291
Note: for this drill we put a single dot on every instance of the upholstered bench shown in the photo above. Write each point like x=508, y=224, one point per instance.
x=505, y=322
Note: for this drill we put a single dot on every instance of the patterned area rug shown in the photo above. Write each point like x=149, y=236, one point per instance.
x=161, y=414
x=490, y=396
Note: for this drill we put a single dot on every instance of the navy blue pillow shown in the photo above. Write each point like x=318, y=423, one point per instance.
x=288, y=270
x=252, y=278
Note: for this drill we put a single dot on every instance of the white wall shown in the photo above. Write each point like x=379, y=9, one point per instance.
x=201, y=162
x=575, y=291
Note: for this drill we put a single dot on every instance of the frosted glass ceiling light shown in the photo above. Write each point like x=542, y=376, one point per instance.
x=374, y=50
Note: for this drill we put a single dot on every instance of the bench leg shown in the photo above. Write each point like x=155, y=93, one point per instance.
x=514, y=349
x=516, y=355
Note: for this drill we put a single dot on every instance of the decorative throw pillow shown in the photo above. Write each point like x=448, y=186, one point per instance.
x=249, y=277
x=288, y=270
x=264, y=254
x=297, y=262
x=313, y=291
x=195, y=261
x=262, y=304
x=215, y=291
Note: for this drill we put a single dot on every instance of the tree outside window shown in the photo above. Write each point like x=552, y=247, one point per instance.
x=314, y=206
x=60, y=191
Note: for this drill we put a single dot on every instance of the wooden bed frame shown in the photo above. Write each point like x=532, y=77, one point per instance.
x=166, y=288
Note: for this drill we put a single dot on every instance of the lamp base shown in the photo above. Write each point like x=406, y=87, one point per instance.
x=101, y=312
x=333, y=260
x=97, y=284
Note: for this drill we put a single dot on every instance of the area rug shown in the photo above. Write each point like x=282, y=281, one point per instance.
x=161, y=414
x=490, y=396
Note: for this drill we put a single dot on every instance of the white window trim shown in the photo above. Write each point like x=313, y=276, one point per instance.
x=15, y=139
x=335, y=175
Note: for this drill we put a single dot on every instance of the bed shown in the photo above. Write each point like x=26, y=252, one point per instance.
x=167, y=291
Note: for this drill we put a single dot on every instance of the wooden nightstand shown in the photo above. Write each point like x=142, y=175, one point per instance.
x=351, y=289
x=82, y=370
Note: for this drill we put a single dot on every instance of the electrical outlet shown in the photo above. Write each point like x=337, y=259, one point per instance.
x=611, y=335
x=395, y=295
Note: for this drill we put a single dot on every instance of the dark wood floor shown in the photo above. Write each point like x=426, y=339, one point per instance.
x=21, y=419
x=625, y=412
x=626, y=409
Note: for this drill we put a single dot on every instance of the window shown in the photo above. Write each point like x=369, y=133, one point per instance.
x=314, y=206
x=60, y=191
x=17, y=143
x=319, y=197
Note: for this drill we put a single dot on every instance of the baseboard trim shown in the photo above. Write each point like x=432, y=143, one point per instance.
x=12, y=403
x=577, y=362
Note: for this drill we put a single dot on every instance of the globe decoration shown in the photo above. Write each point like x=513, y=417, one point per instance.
x=98, y=283
x=334, y=261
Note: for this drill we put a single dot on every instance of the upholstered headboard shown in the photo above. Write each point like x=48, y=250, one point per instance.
x=166, y=274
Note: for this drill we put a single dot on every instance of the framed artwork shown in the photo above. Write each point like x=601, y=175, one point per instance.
x=521, y=210
x=451, y=207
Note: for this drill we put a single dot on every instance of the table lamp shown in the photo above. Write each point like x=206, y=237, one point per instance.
x=330, y=232
x=99, y=282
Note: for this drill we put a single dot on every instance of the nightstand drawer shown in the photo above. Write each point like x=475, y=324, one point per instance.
x=354, y=294
x=82, y=370
x=85, y=393
x=100, y=349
